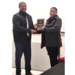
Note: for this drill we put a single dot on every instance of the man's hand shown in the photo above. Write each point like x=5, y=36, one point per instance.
x=43, y=27
x=33, y=31
x=35, y=26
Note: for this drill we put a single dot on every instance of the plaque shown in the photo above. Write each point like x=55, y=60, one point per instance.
x=40, y=23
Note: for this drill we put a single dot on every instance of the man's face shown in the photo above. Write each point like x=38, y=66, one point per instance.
x=22, y=7
x=53, y=12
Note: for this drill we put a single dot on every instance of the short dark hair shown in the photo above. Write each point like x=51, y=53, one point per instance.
x=54, y=8
x=21, y=3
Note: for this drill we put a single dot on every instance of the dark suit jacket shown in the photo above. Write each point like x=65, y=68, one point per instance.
x=20, y=27
x=51, y=34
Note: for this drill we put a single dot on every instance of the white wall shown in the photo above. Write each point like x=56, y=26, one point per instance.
x=41, y=8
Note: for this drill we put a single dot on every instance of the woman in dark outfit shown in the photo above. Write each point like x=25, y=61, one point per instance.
x=51, y=37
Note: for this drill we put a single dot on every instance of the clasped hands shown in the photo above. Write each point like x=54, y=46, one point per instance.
x=35, y=31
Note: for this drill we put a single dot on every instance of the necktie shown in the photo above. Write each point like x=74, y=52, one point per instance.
x=27, y=25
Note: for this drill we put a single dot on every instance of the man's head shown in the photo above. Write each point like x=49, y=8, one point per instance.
x=22, y=6
x=53, y=11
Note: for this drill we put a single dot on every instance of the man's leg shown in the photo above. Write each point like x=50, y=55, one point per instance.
x=27, y=54
x=18, y=54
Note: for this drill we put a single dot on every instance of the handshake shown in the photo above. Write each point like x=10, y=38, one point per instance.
x=33, y=31
x=35, y=27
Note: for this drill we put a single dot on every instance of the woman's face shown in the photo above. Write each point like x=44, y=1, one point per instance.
x=53, y=12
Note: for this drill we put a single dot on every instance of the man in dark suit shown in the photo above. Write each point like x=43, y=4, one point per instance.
x=22, y=29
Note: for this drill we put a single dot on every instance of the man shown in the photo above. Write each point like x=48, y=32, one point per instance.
x=22, y=29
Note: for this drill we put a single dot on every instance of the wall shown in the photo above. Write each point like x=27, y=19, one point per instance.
x=40, y=9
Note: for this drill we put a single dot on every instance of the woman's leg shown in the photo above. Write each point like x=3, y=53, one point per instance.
x=53, y=53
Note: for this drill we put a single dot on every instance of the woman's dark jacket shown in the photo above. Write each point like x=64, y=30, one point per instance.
x=51, y=34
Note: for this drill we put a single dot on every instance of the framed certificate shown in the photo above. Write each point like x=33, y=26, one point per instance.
x=40, y=23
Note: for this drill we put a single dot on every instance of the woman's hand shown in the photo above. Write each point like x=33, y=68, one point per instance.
x=43, y=27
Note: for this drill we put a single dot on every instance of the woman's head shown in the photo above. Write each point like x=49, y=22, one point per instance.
x=53, y=11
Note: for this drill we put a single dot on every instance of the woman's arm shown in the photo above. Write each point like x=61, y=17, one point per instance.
x=39, y=31
x=55, y=28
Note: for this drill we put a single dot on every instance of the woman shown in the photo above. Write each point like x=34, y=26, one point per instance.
x=51, y=37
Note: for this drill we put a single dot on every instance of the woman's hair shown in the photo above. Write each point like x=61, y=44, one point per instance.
x=54, y=8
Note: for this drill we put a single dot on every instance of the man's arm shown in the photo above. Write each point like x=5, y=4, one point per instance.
x=55, y=28
x=17, y=27
x=34, y=26
x=32, y=23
